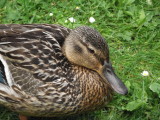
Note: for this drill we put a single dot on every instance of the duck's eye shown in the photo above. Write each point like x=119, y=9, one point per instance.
x=91, y=50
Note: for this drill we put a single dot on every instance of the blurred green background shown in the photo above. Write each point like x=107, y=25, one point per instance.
x=132, y=30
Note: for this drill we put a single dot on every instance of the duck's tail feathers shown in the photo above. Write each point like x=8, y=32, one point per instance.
x=8, y=91
x=8, y=94
x=5, y=74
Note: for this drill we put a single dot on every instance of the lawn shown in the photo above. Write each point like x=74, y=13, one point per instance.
x=132, y=30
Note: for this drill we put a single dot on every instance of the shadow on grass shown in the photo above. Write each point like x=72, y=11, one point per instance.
x=78, y=117
x=6, y=114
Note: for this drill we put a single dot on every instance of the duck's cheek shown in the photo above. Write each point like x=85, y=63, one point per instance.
x=92, y=63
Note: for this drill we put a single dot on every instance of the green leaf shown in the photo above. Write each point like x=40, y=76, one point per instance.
x=130, y=1
x=13, y=14
x=126, y=35
x=128, y=84
x=142, y=17
x=155, y=87
x=134, y=105
x=140, y=94
x=119, y=14
x=3, y=3
x=128, y=13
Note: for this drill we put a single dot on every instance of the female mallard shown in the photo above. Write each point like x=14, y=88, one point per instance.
x=50, y=71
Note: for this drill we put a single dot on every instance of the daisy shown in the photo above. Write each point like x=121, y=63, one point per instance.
x=145, y=73
x=50, y=14
x=92, y=20
x=72, y=20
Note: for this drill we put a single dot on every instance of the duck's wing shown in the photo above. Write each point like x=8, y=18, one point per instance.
x=30, y=54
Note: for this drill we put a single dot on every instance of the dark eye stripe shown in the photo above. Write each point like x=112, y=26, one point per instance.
x=90, y=50
x=101, y=60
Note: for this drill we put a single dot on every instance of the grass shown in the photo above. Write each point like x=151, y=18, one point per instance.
x=132, y=30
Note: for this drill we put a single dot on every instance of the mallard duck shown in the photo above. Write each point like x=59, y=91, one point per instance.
x=51, y=71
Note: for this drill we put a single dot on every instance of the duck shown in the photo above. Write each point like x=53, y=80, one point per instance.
x=48, y=70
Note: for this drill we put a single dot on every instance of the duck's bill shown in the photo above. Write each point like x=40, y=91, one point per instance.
x=116, y=84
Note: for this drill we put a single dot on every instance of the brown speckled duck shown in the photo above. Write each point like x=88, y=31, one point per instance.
x=51, y=71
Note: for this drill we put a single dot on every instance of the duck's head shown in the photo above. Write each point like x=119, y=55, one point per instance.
x=85, y=47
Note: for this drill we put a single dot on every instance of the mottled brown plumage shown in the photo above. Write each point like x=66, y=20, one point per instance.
x=50, y=71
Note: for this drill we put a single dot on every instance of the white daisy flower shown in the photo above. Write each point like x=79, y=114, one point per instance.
x=92, y=20
x=66, y=21
x=50, y=14
x=145, y=73
x=77, y=8
x=72, y=20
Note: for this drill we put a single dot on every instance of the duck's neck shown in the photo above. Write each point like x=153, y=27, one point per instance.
x=94, y=91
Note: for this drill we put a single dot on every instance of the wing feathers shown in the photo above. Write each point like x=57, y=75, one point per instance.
x=34, y=49
x=8, y=76
x=9, y=95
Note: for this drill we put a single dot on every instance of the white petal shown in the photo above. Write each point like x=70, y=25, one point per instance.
x=50, y=14
x=145, y=73
x=71, y=19
x=92, y=20
x=77, y=8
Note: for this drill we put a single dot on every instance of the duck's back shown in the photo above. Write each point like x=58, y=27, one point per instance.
x=32, y=52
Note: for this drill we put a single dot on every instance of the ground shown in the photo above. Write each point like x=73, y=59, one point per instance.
x=132, y=30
